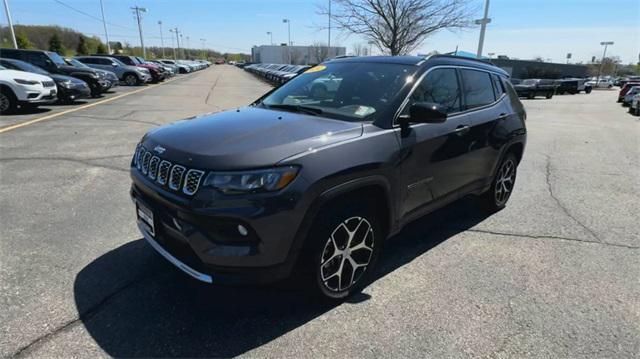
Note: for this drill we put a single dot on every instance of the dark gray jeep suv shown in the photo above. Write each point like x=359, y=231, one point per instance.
x=312, y=177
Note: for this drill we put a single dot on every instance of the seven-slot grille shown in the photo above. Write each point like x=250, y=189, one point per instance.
x=165, y=173
x=48, y=84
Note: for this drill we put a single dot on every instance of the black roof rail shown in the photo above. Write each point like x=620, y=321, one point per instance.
x=486, y=62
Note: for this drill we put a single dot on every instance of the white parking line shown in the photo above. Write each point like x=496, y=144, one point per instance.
x=48, y=117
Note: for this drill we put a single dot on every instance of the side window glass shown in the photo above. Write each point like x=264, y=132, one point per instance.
x=497, y=86
x=439, y=86
x=478, y=88
x=37, y=59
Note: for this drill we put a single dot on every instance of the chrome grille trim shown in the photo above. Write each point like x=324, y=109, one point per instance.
x=48, y=84
x=145, y=162
x=153, y=167
x=139, y=155
x=192, y=181
x=163, y=172
x=175, y=180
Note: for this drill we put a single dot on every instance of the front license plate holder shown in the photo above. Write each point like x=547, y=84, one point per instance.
x=145, y=216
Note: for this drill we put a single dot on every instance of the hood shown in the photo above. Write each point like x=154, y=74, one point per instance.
x=61, y=78
x=246, y=138
x=71, y=69
x=15, y=74
x=148, y=66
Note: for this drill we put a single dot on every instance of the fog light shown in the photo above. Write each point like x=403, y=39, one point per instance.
x=242, y=230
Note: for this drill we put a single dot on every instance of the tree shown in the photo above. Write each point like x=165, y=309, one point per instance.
x=82, y=48
x=320, y=52
x=55, y=44
x=101, y=49
x=359, y=49
x=398, y=27
x=23, y=41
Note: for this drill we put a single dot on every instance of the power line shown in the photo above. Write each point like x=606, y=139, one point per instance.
x=91, y=16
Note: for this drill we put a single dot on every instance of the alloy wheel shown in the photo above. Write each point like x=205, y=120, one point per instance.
x=346, y=254
x=4, y=102
x=505, y=182
x=131, y=80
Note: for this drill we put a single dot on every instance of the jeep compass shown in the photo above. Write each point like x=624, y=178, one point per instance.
x=311, y=178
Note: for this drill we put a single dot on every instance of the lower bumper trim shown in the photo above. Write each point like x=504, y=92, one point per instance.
x=176, y=262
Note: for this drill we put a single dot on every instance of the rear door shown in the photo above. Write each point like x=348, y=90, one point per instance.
x=483, y=94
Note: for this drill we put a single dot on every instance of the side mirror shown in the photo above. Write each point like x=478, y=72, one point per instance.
x=114, y=64
x=426, y=112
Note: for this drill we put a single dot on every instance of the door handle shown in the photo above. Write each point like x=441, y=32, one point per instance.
x=503, y=116
x=461, y=130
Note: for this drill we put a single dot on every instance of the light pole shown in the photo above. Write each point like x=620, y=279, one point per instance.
x=137, y=11
x=173, y=46
x=605, y=44
x=13, y=35
x=270, y=36
x=177, y=32
x=104, y=23
x=371, y=43
x=161, y=39
x=203, y=41
x=491, y=54
x=483, y=27
x=288, y=22
x=188, y=48
x=329, y=28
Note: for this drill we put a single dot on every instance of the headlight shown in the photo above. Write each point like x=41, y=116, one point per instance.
x=269, y=180
x=65, y=83
x=26, y=82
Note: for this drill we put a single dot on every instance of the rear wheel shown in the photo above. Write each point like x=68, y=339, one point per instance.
x=498, y=195
x=8, y=101
x=549, y=95
x=531, y=95
x=587, y=90
x=343, y=246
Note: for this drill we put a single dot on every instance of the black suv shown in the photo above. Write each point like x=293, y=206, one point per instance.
x=55, y=64
x=315, y=175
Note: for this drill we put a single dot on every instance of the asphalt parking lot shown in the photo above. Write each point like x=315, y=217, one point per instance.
x=555, y=274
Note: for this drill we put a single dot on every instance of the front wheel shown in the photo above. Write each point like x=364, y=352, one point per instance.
x=131, y=80
x=549, y=95
x=343, y=247
x=531, y=95
x=8, y=102
x=587, y=90
x=498, y=195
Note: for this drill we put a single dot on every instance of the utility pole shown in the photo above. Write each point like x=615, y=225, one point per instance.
x=173, y=46
x=13, y=35
x=604, y=54
x=137, y=11
x=271, y=37
x=104, y=23
x=161, y=39
x=483, y=27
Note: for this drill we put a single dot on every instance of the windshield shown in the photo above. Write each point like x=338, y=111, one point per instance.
x=57, y=59
x=76, y=63
x=25, y=66
x=346, y=91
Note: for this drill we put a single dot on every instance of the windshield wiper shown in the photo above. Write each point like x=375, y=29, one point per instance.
x=297, y=108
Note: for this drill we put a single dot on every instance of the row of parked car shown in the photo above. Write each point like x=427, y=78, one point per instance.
x=30, y=78
x=629, y=96
x=276, y=73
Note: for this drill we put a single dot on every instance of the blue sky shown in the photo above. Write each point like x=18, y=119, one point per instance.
x=520, y=28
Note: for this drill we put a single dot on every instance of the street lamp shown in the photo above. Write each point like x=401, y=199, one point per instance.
x=161, y=39
x=203, y=55
x=605, y=44
x=288, y=22
x=137, y=11
x=271, y=37
x=491, y=54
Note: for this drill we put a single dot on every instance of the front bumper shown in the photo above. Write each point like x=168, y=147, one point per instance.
x=74, y=93
x=205, y=242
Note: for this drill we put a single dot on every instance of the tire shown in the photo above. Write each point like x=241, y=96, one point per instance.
x=637, y=111
x=587, y=90
x=496, y=198
x=531, y=95
x=549, y=95
x=8, y=101
x=330, y=253
x=131, y=80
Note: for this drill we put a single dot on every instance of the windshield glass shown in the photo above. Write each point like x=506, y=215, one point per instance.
x=76, y=63
x=346, y=91
x=25, y=66
x=57, y=59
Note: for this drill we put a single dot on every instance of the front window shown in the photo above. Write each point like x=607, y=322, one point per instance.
x=345, y=91
x=77, y=63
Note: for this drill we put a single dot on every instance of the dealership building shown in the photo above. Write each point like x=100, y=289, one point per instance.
x=525, y=69
x=298, y=55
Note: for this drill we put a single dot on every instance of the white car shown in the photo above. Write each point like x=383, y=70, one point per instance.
x=603, y=83
x=25, y=89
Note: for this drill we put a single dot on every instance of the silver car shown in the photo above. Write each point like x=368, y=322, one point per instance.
x=131, y=75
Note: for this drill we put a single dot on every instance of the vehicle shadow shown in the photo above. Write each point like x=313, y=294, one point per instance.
x=135, y=304
x=27, y=111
